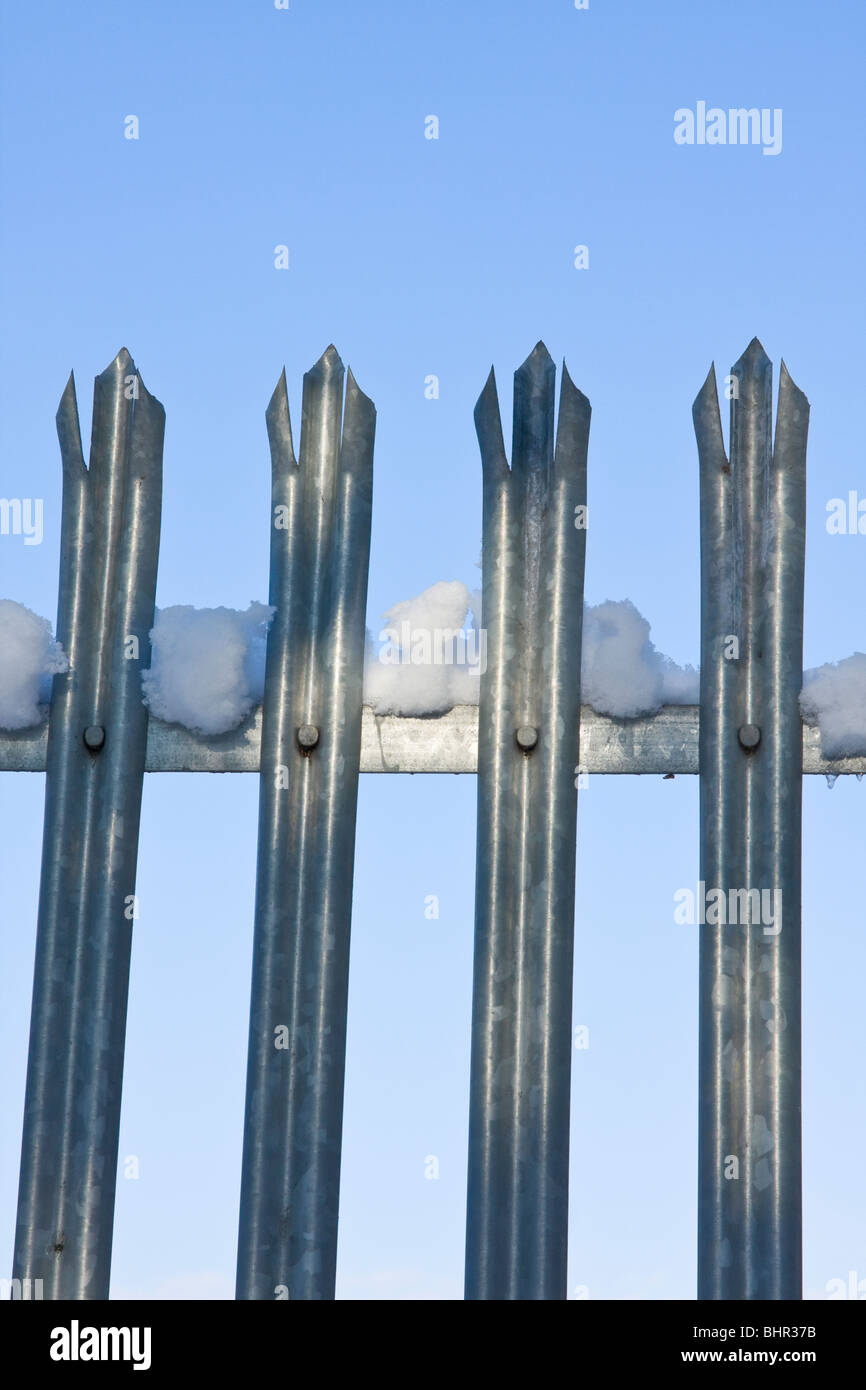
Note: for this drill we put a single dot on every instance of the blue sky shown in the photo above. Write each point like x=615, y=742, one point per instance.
x=305, y=127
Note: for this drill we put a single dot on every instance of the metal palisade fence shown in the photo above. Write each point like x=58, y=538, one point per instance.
x=310, y=740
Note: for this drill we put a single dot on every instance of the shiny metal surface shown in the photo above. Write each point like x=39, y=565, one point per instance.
x=532, y=561
x=529, y=742
x=297, y=1041
x=656, y=743
x=110, y=543
x=752, y=563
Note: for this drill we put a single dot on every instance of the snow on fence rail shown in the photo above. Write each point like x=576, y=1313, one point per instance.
x=528, y=739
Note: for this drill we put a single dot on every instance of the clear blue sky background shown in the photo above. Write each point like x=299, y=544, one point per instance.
x=306, y=127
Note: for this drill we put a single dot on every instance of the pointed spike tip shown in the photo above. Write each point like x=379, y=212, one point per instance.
x=785, y=375
x=120, y=365
x=488, y=399
x=709, y=388
x=787, y=383
x=539, y=356
x=707, y=421
x=68, y=403
x=69, y=428
x=754, y=358
x=488, y=427
x=567, y=386
x=328, y=366
x=353, y=387
x=279, y=395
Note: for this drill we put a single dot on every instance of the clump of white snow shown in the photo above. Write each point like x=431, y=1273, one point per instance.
x=29, y=658
x=834, y=697
x=443, y=605
x=208, y=665
x=426, y=659
x=622, y=673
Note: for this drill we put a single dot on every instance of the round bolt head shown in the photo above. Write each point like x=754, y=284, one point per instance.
x=94, y=737
x=527, y=737
x=749, y=736
x=308, y=736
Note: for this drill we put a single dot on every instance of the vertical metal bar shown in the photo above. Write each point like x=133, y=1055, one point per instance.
x=109, y=551
x=311, y=748
x=533, y=561
x=752, y=571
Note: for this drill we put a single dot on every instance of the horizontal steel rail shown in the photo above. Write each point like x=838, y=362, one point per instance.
x=655, y=743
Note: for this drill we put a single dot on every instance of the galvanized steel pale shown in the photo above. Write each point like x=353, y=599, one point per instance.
x=751, y=762
x=109, y=548
x=533, y=560
x=529, y=742
x=320, y=549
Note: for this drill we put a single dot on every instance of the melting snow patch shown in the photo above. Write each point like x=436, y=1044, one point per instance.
x=29, y=658
x=622, y=674
x=834, y=697
x=426, y=659
x=208, y=665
